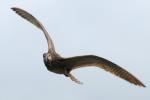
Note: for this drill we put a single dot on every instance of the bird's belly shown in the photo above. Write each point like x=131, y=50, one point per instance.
x=56, y=69
x=55, y=66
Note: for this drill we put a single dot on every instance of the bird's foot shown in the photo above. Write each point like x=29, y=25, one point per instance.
x=74, y=79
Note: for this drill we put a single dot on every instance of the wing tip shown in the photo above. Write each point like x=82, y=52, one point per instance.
x=13, y=8
x=16, y=9
x=139, y=83
x=142, y=85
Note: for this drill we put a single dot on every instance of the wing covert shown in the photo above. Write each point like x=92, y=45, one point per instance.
x=91, y=60
x=24, y=14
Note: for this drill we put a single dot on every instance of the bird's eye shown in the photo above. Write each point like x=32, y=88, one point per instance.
x=49, y=57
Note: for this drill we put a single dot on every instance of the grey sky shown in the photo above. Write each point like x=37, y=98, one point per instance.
x=113, y=29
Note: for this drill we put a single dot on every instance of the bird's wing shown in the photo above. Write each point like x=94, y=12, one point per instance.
x=37, y=23
x=91, y=60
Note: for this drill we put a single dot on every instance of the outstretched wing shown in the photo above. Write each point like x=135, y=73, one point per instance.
x=91, y=60
x=37, y=23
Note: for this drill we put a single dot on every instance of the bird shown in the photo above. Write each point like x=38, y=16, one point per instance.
x=60, y=65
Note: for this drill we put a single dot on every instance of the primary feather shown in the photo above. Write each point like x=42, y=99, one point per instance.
x=91, y=60
x=77, y=61
x=24, y=14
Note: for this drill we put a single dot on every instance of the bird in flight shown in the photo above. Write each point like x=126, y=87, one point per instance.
x=60, y=65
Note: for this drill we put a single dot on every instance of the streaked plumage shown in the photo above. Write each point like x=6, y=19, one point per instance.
x=57, y=64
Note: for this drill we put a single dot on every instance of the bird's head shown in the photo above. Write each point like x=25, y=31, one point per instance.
x=47, y=57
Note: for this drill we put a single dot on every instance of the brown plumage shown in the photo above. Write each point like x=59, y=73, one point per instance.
x=57, y=64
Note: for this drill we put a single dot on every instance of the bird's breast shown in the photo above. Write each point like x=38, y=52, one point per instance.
x=55, y=66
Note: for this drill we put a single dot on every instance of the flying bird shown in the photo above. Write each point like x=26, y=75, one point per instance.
x=60, y=65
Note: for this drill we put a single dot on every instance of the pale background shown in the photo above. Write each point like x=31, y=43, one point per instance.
x=114, y=29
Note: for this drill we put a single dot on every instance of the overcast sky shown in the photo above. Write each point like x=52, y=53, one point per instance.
x=114, y=29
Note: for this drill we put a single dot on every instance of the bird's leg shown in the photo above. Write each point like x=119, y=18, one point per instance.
x=68, y=74
x=74, y=79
